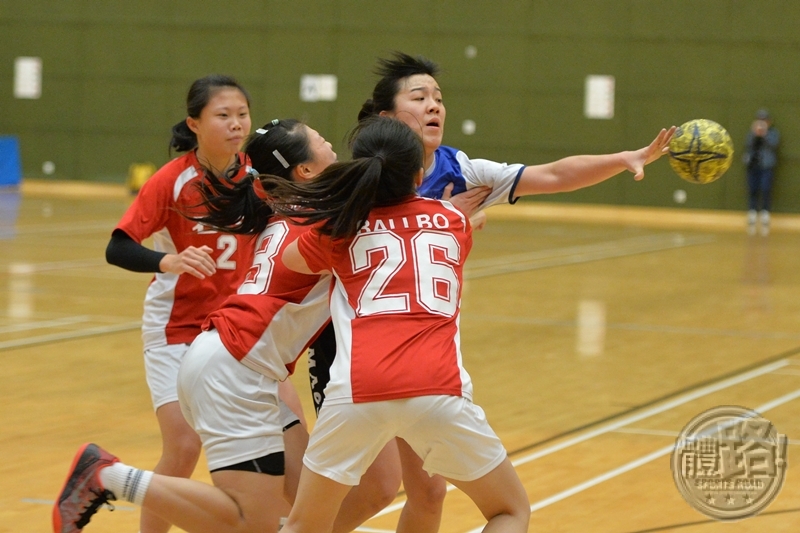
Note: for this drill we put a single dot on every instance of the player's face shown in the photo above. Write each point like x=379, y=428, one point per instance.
x=223, y=124
x=321, y=150
x=419, y=105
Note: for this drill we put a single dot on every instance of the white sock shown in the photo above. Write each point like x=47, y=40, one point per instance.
x=127, y=483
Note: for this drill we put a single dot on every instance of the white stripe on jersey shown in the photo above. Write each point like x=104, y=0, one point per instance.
x=447, y=205
x=160, y=297
x=340, y=388
x=289, y=332
x=183, y=178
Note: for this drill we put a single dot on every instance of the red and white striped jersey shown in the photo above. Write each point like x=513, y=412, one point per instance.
x=175, y=306
x=396, y=302
x=276, y=313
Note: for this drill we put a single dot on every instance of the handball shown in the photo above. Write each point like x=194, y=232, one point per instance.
x=700, y=151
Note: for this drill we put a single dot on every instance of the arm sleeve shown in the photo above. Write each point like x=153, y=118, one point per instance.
x=126, y=253
x=315, y=249
x=501, y=177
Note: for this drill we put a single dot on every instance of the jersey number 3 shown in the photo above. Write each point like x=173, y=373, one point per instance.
x=383, y=255
x=269, y=244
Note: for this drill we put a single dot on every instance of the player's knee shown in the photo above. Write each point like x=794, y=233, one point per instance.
x=383, y=492
x=428, y=495
x=180, y=456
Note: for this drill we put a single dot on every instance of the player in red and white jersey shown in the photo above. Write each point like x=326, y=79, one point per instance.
x=228, y=378
x=195, y=267
x=276, y=312
x=397, y=261
x=395, y=303
x=176, y=305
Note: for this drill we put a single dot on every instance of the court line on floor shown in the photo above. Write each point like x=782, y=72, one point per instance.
x=79, y=227
x=638, y=462
x=665, y=433
x=624, y=326
x=70, y=335
x=674, y=527
x=570, y=255
x=646, y=413
x=666, y=406
x=21, y=268
x=55, y=323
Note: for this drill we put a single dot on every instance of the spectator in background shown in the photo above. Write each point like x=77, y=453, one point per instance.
x=760, y=157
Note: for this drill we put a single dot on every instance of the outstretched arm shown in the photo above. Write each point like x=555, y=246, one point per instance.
x=576, y=172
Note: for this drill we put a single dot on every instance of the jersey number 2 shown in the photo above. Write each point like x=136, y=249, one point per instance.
x=383, y=253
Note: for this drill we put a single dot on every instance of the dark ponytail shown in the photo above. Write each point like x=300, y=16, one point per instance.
x=387, y=157
x=367, y=110
x=200, y=93
x=183, y=139
x=236, y=206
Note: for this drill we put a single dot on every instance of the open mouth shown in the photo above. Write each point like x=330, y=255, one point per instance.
x=433, y=123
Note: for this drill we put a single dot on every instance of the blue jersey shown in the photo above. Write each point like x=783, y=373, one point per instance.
x=454, y=166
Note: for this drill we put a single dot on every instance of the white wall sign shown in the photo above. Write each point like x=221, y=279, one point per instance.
x=318, y=87
x=28, y=77
x=599, y=97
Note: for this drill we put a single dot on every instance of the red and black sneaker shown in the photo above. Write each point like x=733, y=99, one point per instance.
x=83, y=493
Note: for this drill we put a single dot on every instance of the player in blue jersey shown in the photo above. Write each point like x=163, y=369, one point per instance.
x=408, y=91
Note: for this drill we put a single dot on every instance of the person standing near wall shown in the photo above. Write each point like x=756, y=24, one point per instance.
x=195, y=268
x=760, y=158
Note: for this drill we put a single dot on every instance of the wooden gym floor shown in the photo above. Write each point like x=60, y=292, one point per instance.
x=592, y=334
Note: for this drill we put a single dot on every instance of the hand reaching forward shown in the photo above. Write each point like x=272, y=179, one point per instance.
x=469, y=201
x=637, y=160
x=195, y=261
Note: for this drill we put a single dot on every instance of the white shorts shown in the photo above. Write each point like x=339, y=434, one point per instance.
x=449, y=433
x=161, y=365
x=234, y=409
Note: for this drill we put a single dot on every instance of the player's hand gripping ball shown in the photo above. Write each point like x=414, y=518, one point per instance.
x=700, y=151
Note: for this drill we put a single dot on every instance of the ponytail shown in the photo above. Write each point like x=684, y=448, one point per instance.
x=340, y=198
x=367, y=110
x=387, y=157
x=237, y=206
x=183, y=139
x=230, y=205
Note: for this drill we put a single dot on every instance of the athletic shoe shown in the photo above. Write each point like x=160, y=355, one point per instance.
x=83, y=493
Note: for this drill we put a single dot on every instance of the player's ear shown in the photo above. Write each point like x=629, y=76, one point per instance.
x=193, y=125
x=302, y=173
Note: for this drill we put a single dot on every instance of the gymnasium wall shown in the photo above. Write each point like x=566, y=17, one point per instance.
x=115, y=75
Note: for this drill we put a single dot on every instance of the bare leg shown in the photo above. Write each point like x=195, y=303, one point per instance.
x=422, y=512
x=501, y=498
x=288, y=393
x=295, y=442
x=318, y=502
x=240, y=502
x=378, y=488
x=179, y=455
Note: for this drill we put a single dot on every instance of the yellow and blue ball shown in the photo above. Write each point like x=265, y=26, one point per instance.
x=701, y=151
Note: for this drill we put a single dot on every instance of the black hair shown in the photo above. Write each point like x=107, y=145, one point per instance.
x=387, y=157
x=393, y=72
x=200, y=93
x=234, y=206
